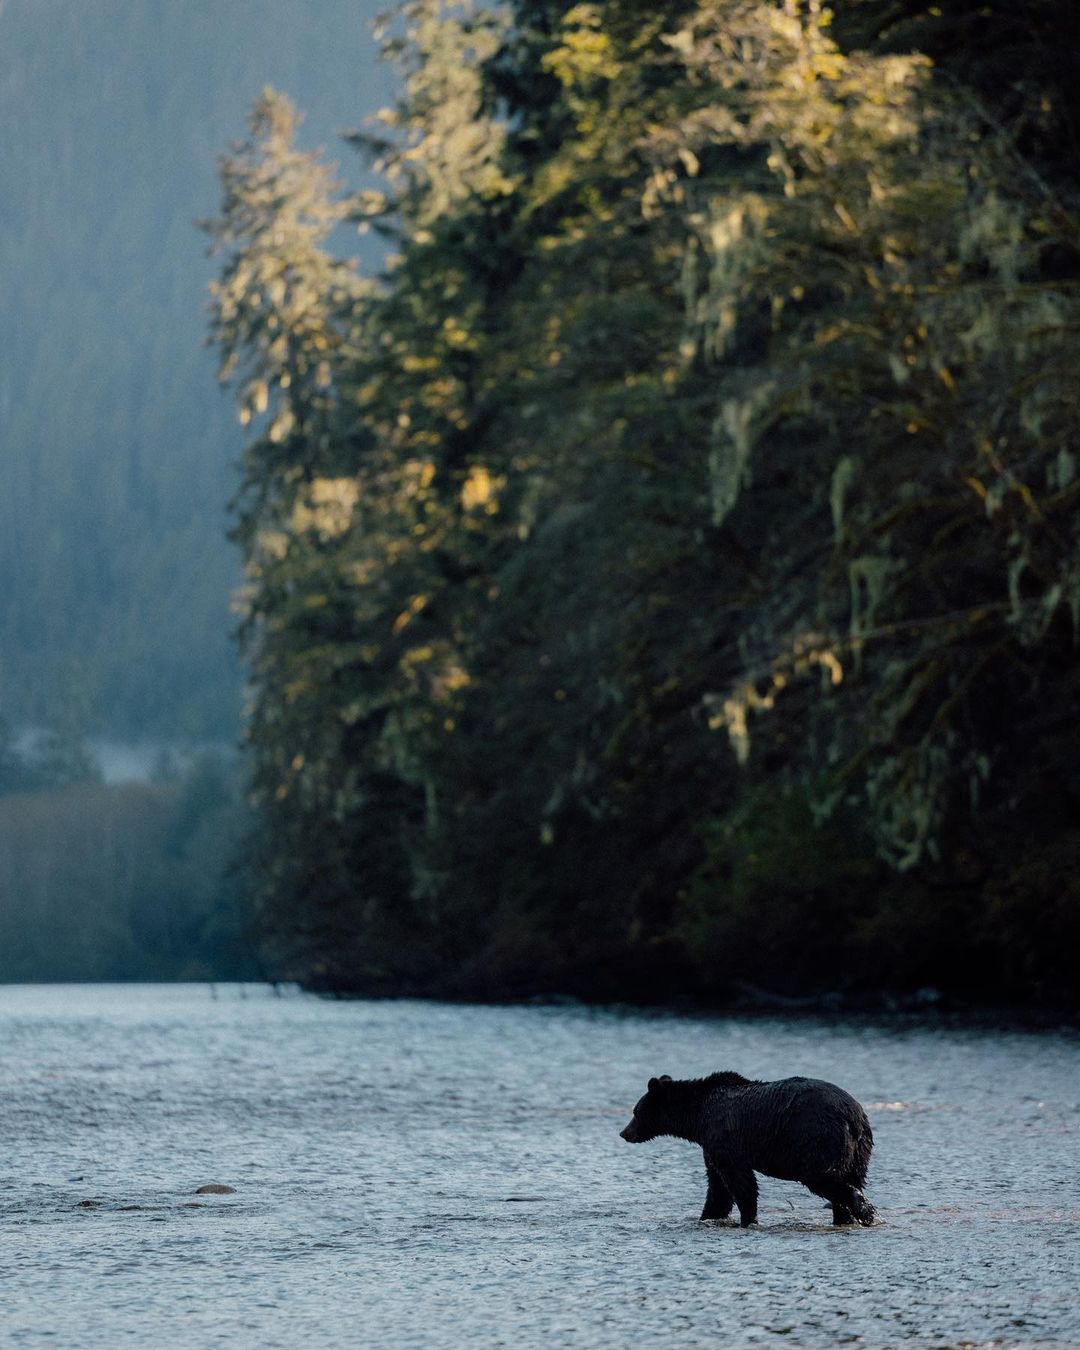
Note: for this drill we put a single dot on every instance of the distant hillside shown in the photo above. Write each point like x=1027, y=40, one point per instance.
x=116, y=452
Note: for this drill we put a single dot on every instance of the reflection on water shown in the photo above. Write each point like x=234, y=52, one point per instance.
x=411, y=1174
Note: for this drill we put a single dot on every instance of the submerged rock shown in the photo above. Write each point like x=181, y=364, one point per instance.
x=215, y=1189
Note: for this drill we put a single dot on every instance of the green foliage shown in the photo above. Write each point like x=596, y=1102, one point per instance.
x=721, y=381
x=781, y=899
x=134, y=882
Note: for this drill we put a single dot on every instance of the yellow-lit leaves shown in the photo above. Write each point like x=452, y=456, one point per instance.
x=326, y=508
x=731, y=712
x=411, y=610
x=586, y=53
x=480, y=490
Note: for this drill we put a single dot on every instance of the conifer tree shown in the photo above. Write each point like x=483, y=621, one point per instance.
x=720, y=383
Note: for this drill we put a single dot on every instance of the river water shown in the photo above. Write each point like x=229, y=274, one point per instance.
x=415, y=1174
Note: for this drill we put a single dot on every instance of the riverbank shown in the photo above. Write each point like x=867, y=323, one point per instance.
x=926, y=1006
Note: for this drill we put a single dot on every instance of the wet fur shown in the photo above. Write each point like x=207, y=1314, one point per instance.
x=797, y=1129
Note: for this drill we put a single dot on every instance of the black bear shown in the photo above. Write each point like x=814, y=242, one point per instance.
x=798, y=1129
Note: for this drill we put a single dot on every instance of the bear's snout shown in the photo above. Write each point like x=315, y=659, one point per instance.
x=630, y=1134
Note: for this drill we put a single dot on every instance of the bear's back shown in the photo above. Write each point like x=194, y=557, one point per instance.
x=790, y=1128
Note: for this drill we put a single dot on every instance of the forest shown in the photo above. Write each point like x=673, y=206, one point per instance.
x=129, y=881
x=662, y=579
x=118, y=451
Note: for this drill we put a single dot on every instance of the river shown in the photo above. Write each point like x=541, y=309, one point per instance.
x=419, y=1174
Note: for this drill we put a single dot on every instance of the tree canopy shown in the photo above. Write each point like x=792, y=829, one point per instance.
x=666, y=573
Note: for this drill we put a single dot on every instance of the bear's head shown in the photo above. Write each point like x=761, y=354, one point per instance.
x=650, y=1117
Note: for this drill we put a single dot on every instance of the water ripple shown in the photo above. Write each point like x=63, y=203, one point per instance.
x=420, y=1175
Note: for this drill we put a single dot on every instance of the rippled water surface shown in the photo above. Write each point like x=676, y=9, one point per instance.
x=411, y=1174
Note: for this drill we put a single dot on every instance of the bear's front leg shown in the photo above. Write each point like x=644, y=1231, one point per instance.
x=718, y=1200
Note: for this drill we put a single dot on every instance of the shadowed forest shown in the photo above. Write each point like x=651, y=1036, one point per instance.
x=133, y=881
x=660, y=554
x=118, y=458
x=663, y=579
x=118, y=453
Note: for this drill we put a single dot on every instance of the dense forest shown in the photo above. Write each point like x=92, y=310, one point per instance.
x=134, y=881
x=118, y=453
x=664, y=578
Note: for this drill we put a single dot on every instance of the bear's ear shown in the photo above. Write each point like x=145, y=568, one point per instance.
x=655, y=1082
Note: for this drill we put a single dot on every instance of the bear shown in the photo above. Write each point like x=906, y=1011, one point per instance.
x=797, y=1129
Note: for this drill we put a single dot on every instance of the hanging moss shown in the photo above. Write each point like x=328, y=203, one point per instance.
x=718, y=384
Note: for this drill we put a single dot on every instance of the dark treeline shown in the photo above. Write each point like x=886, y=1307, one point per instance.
x=130, y=882
x=666, y=575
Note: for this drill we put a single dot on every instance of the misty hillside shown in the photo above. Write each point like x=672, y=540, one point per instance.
x=117, y=451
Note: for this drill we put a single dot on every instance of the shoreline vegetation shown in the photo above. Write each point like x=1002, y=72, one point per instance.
x=915, y=1007
x=120, y=882
x=664, y=578
x=661, y=581
x=922, y=1008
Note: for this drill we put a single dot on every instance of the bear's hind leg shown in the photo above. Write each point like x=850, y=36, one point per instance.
x=742, y=1184
x=849, y=1205
x=842, y=1217
x=718, y=1200
x=856, y=1202
x=864, y=1211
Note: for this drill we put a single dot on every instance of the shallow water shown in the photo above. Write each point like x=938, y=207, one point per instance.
x=411, y=1174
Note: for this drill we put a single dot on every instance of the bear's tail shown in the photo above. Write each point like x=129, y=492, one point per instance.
x=861, y=1144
